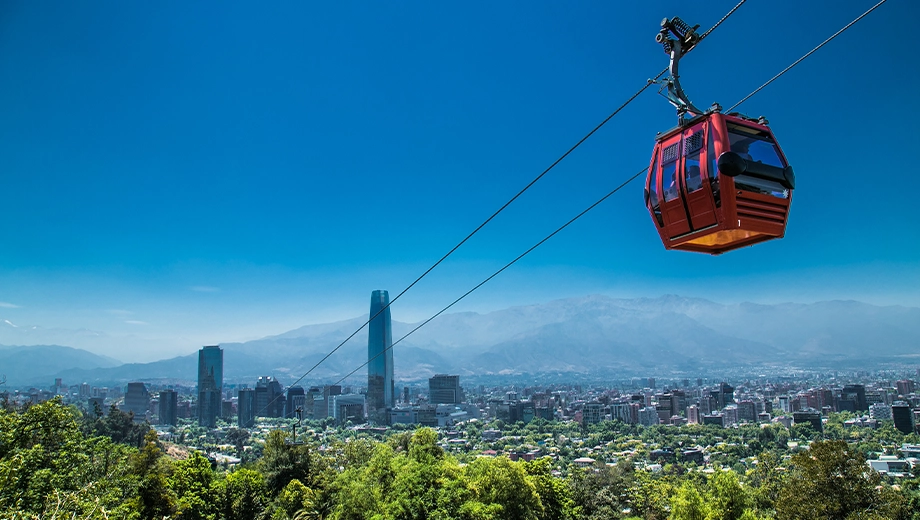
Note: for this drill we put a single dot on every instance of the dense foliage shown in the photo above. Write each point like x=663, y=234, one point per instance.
x=56, y=463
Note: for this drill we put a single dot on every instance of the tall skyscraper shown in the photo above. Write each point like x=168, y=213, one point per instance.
x=210, y=385
x=381, y=388
x=137, y=400
x=245, y=405
x=169, y=407
x=903, y=417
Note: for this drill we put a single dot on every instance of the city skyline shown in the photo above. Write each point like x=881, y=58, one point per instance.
x=143, y=208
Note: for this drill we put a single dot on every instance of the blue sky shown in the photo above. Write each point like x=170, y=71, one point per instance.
x=183, y=173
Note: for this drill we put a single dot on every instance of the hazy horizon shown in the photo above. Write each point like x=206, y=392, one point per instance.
x=112, y=345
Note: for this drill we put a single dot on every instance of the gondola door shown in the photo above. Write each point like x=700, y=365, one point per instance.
x=697, y=186
x=672, y=204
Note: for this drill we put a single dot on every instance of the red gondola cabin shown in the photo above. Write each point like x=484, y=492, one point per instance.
x=717, y=183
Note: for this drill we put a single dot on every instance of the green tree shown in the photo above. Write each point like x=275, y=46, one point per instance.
x=688, y=504
x=154, y=498
x=295, y=502
x=555, y=495
x=283, y=462
x=504, y=483
x=832, y=481
x=728, y=499
x=602, y=491
x=242, y=495
x=191, y=482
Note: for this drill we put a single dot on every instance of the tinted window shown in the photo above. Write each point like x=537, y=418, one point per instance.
x=754, y=145
x=757, y=146
x=693, y=147
x=713, y=160
x=669, y=171
x=713, y=169
x=669, y=181
x=653, y=192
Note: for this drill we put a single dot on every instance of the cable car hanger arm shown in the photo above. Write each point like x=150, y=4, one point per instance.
x=678, y=38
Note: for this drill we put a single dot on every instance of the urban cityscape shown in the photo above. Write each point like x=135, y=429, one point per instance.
x=661, y=427
x=872, y=399
x=452, y=261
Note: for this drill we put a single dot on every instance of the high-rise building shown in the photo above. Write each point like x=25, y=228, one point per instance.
x=812, y=417
x=137, y=401
x=648, y=416
x=593, y=413
x=856, y=394
x=380, y=384
x=747, y=411
x=269, y=398
x=693, y=414
x=246, y=413
x=724, y=395
x=296, y=400
x=169, y=407
x=348, y=407
x=880, y=412
x=903, y=417
x=905, y=387
x=445, y=389
x=210, y=385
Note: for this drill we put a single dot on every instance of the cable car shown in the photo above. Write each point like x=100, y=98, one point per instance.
x=716, y=182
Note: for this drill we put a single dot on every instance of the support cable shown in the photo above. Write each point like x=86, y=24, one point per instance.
x=713, y=28
x=648, y=83
x=605, y=197
x=809, y=53
x=496, y=273
x=486, y=221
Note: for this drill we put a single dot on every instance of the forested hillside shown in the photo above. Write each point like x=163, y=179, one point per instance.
x=57, y=463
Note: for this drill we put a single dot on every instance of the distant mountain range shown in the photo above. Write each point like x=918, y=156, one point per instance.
x=588, y=335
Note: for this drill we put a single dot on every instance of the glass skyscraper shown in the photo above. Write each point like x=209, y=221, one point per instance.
x=210, y=385
x=380, y=385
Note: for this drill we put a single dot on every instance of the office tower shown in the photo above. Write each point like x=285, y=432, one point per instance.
x=169, y=407
x=380, y=385
x=856, y=394
x=812, y=417
x=210, y=385
x=724, y=396
x=137, y=401
x=747, y=411
x=903, y=417
x=444, y=389
x=296, y=400
x=880, y=412
x=269, y=398
x=905, y=387
x=693, y=414
x=245, y=405
x=729, y=415
x=349, y=407
x=593, y=413
x=648, y=416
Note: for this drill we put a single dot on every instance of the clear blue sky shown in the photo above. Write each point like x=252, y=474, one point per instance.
x=183, y=173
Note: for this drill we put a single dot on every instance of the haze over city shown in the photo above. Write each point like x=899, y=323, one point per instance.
x=186, y=175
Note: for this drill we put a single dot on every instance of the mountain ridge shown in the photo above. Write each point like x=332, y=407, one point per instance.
x=574, y=335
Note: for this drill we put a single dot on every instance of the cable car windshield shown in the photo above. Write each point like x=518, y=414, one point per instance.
x=756, y=146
